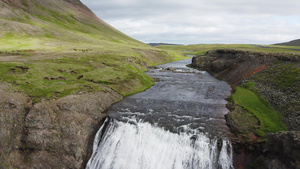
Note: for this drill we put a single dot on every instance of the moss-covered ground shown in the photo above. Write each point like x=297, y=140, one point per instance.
x=267, y=119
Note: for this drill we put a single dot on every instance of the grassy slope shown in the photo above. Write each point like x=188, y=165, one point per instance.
x=251, y=112
x=291, y=43
x=50, y=49
x=59, y=20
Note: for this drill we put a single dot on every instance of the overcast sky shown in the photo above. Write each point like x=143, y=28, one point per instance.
x=202, y=21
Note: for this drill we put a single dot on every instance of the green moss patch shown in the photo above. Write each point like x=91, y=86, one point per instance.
x=270, y=120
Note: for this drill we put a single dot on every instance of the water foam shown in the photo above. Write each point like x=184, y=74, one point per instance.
x=145, y=146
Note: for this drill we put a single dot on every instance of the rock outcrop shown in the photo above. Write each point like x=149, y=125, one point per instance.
x=282, y=151
x=13, y=109
x=235, y=66
x=52, y=133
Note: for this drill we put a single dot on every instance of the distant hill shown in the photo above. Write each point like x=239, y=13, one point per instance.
x=157, y=44
x=290, y=43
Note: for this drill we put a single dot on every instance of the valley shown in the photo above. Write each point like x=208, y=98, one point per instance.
x=66, y=75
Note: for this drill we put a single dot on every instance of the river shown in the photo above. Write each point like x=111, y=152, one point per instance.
x=176, y=124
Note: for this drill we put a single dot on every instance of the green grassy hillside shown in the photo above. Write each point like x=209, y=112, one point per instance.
x=37, y=22
x=290, y=43
x=50, y=49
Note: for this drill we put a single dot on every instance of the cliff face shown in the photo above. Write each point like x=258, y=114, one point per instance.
x=285, y=146
x=50, y=134
x=13, y=109
x=276, y=79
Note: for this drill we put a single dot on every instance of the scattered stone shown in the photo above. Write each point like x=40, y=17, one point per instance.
x=157, y=79
x=170, y=68
x=12, y=70
x=61, y=78
x=56, y=93
x=73, y=72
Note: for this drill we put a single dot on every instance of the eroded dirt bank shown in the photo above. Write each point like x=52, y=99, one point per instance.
x=276, y=78
x=50, y=134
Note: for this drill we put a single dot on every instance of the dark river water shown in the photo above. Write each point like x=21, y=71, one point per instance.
x=177, y=124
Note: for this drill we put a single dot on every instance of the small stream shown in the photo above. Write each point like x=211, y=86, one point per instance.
x=177, y=124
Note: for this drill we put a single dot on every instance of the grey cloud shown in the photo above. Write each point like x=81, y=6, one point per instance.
x=202, y=21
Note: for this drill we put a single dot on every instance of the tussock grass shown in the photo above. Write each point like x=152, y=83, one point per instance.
x=75, y=73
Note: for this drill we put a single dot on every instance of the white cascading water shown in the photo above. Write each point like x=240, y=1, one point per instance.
x=144, y=146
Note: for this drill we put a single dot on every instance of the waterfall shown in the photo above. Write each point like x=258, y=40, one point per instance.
x=177, y=124
x=142, y=145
